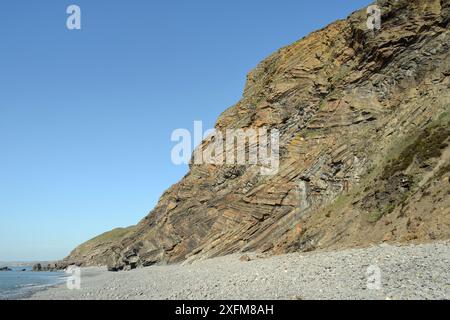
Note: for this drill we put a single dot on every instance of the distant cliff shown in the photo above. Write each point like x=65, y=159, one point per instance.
x=363, y=117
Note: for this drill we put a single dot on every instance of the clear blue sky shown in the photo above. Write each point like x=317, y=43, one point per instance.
x=86, y=116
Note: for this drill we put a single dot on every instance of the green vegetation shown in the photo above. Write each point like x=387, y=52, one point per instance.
x=112, y=235
x=443, y=117
x=375, y=216
x=427, y=145
x=395, y=185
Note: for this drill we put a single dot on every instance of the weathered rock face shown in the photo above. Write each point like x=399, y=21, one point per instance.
x=54, y=266
x=37, y=267
x=364, y=158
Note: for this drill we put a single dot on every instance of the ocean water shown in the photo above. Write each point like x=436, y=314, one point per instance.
x=17, y=284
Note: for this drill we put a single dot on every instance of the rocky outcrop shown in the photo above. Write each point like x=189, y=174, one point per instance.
x=37, y=267
x=5, y=269
x=49, y=267
x=363, y=118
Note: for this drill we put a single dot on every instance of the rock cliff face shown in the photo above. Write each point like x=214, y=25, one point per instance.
x=364, y=130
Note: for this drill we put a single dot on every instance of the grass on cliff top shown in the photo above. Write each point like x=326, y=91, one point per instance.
x=112, y=235
x=107, y=237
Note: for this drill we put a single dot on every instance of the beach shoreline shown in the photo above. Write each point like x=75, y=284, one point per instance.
x=406, y=272
x=26, y=291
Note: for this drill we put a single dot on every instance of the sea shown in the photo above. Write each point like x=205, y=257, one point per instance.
x=19, y=284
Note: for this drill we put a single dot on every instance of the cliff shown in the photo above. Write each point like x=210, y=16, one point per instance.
x=363, y=117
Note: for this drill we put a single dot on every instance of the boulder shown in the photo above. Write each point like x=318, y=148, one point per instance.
x=245, y=258
x=113, y=268
x=37, y=267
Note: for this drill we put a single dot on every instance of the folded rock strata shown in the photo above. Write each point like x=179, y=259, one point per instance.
x=364, y=130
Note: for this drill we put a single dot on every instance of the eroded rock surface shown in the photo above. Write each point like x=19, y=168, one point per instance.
x=364, y=158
